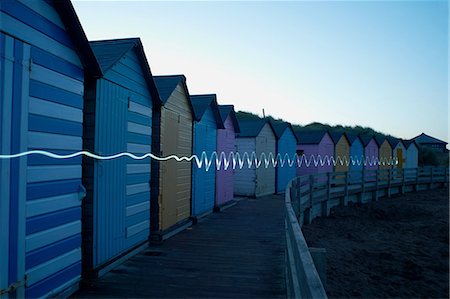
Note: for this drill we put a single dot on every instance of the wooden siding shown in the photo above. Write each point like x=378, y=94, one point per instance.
x=116, y=216
x=204, y=182
x=265, y=177
x=342, y=154
x=287, y=145
x=41, y=107
x=245, y=178
x=385, y=155
x=224, y=178
x=174, y=198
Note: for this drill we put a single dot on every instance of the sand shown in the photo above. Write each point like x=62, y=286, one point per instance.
x=393, y=248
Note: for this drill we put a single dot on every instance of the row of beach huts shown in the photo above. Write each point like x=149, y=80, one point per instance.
x=64, y=219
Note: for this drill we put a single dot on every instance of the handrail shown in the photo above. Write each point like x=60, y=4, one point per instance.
x=302, y=278
x=310, y=196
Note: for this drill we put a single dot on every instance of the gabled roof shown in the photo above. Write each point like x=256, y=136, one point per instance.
x=380, y=140
x=252, y=127
x=109, y=52
x=200, y=104
x=279, y=127
x=74, y=28
x=353, y=137
x=410, y=142
x=310, y=137
x=367, y=138
x=337, y=136
x=228, y=110
x=167, y=84
x=424, y=138
x=394, y=141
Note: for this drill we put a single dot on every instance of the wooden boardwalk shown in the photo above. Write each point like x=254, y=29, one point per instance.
x=237, y=253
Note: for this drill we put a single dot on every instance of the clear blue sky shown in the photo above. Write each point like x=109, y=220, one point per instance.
x=377, y=64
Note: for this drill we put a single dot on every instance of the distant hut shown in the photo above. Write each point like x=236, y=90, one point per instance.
x=412, y=154
x=384, y=153
x=118, y=109
x=256, y=136
x=356, y=153
x=315, y=149
x=226, y=140
x=286, y=149
x=371, y=156
x=45, y=60
x=341, y=151
x=430, y=142
x=398, y=153
x=171, y=180
x=207, y=120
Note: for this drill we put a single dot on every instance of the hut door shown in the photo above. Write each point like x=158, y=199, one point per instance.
x=169, y=170
x=14, y=96
x=400, y=158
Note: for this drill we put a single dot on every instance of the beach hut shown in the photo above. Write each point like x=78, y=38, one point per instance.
x=428, y=141
x=44, y=60
x=341, y=151
x=371, y=156
x=412, y=154
x=226, y=145
x=398, y=153
x=118, y=118
x=384, y=153
x=315, y=150
x=356, y=161
x=256, y=138
x=285, y=149
x=206, y=122
x=170, y=206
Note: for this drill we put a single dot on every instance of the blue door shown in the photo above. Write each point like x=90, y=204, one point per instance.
x=14, y=74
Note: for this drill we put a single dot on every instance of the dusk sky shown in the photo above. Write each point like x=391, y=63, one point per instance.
x=377, y=64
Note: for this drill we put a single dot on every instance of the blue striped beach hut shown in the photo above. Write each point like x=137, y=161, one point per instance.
x=207, y=121
x=118, y=118
x=285, y=149
x=356, y=159
x=44, y=60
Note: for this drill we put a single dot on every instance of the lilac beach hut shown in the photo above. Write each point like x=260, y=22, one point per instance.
x=226, y=144
x=313, y=146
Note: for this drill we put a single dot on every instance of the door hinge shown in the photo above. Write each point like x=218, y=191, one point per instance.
x=14, y=286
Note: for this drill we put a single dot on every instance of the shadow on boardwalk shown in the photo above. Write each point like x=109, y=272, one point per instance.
x=237, y=253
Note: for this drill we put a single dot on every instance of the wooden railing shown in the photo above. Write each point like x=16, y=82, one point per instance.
x=310, y=196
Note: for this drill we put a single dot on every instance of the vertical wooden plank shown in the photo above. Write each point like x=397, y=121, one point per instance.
x=23, y=167
x=6, y=83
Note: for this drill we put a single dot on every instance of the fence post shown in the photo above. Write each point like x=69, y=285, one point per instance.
x=403, y=181
x=324, y=204
x=363, y=185
x=307, y=213
x=389, y=182
x=431, y=178
x=446, y=177
x=376, y=184
x=417, y=179
x=344, y=200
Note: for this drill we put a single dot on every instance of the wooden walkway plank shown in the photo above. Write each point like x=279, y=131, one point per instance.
x=237, y=253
